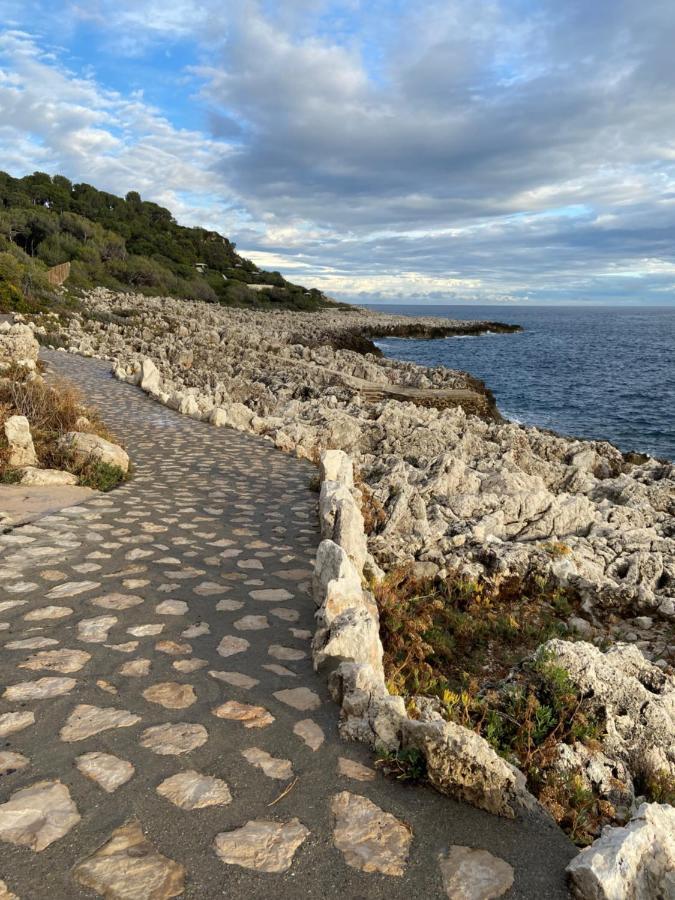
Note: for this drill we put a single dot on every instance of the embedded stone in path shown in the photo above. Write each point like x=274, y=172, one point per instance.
x=251, y=623
x=288, y=653
x=228, y=605
x=237, y=679
x=271, y=595
x=299, y=698
x=171, y=608
x=171, y=695
x=231, y=645
x=12, y=762
x=108, y=771
x=191, y=790
x=194, y=631
x=64, y=661
x=48, y=612
x=173, y=648
x=309, y=732
x=279, y=670
x=251, y=716
x=287, y=615
x=370, y=839
x=472, y=874
x=270, y=765
x=128, y=866
x=15, y=721
x=42, y=689
x=174, y=740
x=86, y=721
x=350, y=768
x=189, y=665
x=145, y=630
x=31, y=643
x=262, y=845
x=38, y=815
x=71, y=589
x=95, y=631
x=117, y=601
x=135, y=668
x=209, y=588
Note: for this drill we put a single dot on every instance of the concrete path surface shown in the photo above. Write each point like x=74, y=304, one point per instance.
x=162, y=732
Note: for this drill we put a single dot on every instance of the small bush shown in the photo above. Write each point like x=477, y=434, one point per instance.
x=403, y=765
x=100, y=476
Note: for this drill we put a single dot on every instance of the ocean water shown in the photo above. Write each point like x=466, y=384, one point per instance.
x=596, y=372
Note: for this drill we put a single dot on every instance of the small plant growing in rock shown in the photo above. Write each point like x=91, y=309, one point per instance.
x=404, y=765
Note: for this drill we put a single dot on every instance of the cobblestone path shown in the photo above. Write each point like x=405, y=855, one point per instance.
x=162, y=732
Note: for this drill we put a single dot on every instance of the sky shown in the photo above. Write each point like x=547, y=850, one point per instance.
x=462, y=151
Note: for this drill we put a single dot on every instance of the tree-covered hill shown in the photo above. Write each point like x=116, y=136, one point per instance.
x=125, y=244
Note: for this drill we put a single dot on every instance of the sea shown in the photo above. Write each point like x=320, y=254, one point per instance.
x=603, y=373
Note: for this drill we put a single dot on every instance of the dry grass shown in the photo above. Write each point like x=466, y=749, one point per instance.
x=52, y=409
x=374, y=514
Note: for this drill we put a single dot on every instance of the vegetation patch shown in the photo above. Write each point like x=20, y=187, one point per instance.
x=456, y=641
x=52, y=410
x=125, y=244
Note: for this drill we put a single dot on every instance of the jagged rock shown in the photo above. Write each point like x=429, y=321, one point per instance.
x=462, y=764
x=370, y=839
x=38, y=815
x=262, y=845
x=18, y=346
x=635, y=700
x=21, y=449
x=84, y=447
x=151, y=380
x=636, y=862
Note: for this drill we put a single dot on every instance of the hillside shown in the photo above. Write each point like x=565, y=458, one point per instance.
x=126, y=244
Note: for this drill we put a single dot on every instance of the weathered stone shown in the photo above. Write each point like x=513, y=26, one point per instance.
x=135, y=668
x=237, y=679
x=287, y=653
x=84, y=447
x=108, y=771
x=250, y=716
x=350, y=768
x=473, y=874
x=117, y=601
x=11, y=762
x=33, y=477
x=299, y=698
x=309, y=732
x=171, y=695
x=86, y=721
x=128, y=866
x=191, y=790
x=15, y=721
x=95, y=630
x=42, y=689
x=370, y=840
x=637, y=861
x=38, y=815
x=262, y=845
x=21, y=449
x=230, y=645
x=270, y=765
x=174, y=740
x=64, y=661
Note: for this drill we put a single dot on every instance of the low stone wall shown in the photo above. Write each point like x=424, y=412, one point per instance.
x=347, y=647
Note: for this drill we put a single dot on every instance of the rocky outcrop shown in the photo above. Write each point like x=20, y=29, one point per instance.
x=84, y=447
x=632, y=863
x=347, y=646
x=46, y=477
x=19, y=442
x=18, y=346
x=633, y=699
x=477, y=497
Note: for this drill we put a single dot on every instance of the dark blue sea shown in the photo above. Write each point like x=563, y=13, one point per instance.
x=597, y=372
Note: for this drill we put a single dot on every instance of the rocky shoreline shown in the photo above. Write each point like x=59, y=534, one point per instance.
x=454, y=491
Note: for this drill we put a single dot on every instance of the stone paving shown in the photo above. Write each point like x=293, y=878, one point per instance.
x=162, y=732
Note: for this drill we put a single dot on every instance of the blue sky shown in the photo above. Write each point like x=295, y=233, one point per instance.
x=442, y=152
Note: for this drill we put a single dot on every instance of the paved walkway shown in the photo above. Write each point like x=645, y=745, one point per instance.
x=159, y=695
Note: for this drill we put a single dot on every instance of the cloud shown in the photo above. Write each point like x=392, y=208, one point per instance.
x=445, y=150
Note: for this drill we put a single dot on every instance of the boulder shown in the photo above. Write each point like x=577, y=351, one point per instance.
x=463, y=765
x=337, y=466
x=40, y=477
x=151, y=380
x=84, y=447
x=636, y=862
x=21, y=449
x=18, y=346
x=634, y=698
